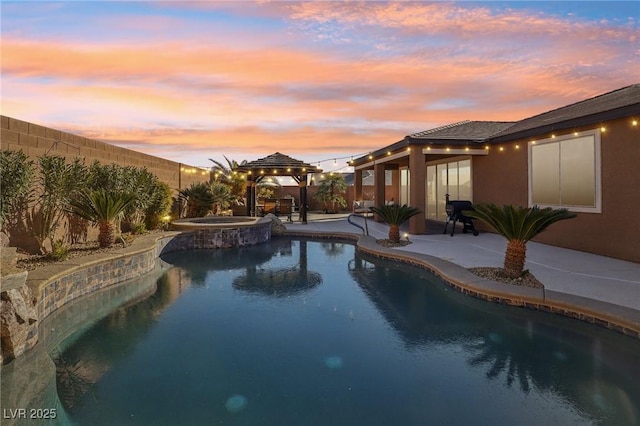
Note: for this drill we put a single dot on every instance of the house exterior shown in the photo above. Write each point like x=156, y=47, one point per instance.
x=584, y=157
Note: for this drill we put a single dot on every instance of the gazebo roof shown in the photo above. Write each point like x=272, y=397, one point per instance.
x=278, y=164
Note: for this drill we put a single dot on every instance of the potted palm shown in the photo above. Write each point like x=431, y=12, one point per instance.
x=518, y=225
x=395, y=215
x=331, y=191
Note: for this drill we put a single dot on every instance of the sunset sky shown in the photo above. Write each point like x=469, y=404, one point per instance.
x=190, y=81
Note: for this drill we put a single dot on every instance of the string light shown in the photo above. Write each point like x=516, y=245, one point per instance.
x=634, y=123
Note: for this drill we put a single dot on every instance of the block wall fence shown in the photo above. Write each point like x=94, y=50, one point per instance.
x=35, y=140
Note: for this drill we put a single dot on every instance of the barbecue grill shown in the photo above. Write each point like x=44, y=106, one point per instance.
x=455, y=213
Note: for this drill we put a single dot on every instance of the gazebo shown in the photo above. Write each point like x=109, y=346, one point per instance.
x=277, y=165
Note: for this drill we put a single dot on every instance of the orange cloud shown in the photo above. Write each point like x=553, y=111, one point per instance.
x=343, y=78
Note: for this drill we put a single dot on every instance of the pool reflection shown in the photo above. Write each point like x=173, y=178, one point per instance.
x=519, y=347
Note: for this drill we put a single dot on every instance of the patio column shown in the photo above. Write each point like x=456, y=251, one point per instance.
x=378, y=188
x=357, y=185
x=417, y=181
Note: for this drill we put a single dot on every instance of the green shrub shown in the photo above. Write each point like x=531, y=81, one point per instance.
x=59, y=250
x=15, y=181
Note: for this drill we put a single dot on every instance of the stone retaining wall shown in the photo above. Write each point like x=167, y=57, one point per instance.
x=48, y=289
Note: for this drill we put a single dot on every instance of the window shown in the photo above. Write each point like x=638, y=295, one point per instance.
x=453, y=178
x=565, y=172
x=404, y=186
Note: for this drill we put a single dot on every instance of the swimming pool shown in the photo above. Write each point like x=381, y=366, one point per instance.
x=301, y=332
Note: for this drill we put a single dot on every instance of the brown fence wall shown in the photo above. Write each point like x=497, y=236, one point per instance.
x=35, y=141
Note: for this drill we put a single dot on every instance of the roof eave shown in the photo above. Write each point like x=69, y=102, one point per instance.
x=597, y=118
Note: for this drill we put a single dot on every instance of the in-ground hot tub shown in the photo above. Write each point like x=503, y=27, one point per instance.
x=220, y=231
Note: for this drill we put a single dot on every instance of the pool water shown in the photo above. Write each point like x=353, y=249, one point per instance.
x=300, y=332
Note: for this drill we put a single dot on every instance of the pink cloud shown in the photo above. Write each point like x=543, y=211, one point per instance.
x=227, y=94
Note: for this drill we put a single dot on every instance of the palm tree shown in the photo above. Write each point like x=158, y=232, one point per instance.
x=103, y=208
x=229, y=175
x=517, y=225
x=395, y=215
x=199, y=199
x=331, y=190
x=222, y=196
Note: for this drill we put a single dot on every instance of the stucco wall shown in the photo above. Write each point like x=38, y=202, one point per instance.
x=502, y=178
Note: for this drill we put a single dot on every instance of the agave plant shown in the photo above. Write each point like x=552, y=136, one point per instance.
x=395, y=215
x=103, y=208
x=518, y=225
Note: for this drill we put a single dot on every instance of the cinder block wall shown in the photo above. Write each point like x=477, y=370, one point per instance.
x=35, y=140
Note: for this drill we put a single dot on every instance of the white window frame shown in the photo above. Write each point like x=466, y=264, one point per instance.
x=598, y=171
x=447, y=160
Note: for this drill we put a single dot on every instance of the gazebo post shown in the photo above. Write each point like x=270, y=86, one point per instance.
x=303, y=199
x=250, y=201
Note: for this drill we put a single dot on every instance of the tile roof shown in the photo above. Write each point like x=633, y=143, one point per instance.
x=465, y=131
x=623, y=102
x=279, y=162
x=616, y=104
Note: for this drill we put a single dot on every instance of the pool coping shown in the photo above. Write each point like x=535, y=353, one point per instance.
x=618, y=318
x=614, y=317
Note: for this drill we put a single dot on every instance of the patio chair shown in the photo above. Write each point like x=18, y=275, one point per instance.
x=286, y=208
x=455, y=213
x=270, y=206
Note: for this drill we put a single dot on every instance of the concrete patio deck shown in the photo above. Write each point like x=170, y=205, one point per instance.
x=599, y=284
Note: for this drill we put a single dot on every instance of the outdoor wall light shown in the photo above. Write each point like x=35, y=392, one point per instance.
x=634, y=123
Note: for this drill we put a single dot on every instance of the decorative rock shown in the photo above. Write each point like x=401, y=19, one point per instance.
x=8, y=259
x=277, y=227
x=10, y=282
x=18, y=322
